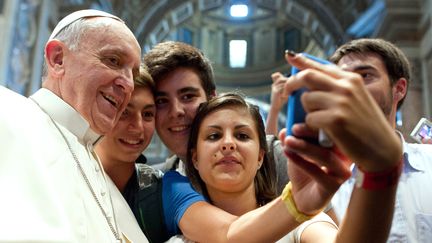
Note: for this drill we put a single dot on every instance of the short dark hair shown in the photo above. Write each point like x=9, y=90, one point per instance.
x=165, y=57
x=265, y=179
x=394, y=59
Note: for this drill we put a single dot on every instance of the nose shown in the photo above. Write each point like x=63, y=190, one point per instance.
x=176, y=108
x=227, y=146
x=136, y=123
x=126, y=82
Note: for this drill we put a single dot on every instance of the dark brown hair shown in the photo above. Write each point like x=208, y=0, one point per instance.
x=394, y=59
x=265, y=179
x=165, y=57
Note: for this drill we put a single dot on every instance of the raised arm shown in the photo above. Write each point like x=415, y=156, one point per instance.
x=203, y=222
x=339, y=103
x=277, y=100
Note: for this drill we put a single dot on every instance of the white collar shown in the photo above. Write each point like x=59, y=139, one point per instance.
x=410, y=165
x=65, y=115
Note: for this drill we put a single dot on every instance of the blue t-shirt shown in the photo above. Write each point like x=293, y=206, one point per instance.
x=177, y=196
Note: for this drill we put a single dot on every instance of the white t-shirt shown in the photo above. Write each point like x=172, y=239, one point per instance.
x=295, y=235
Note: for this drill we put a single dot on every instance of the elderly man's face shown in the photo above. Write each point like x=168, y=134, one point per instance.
x=98, y=77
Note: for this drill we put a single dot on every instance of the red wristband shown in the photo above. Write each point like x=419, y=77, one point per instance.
x=379, y=180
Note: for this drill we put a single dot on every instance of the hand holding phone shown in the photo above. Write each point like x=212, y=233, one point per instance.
x=422, y=131
x=296, y=113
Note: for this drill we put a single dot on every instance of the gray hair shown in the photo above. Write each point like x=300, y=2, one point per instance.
x=71, y=36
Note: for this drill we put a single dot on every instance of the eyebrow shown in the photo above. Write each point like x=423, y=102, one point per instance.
x=113, y=50
x=187, y=89
x=181, y=91
x=236, y=127
x=122, y=54
x=152, y=106
x=160, y=93
x=362, y=68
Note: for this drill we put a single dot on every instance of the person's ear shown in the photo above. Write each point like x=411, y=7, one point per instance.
x=194, y=159
x=260, y=158
x=54, y=55
x=399, y=89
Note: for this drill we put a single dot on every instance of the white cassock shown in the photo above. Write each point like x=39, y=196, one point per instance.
x=125, y=218
x=45, y=197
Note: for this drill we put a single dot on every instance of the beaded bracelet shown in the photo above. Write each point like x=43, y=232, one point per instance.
x=288, y=199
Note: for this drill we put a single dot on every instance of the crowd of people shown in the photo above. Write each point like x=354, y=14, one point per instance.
x=78, y=172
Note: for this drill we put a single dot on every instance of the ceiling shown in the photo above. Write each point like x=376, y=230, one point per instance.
x=313, y=26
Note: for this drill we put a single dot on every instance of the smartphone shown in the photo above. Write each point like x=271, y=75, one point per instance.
x=296, y=113
x=423, y=130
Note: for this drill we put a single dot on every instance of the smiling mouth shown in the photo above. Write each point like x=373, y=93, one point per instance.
x=132, y=141
x=178, y=128
x=110, y=99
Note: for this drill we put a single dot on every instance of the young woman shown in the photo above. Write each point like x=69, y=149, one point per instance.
x=227, y=162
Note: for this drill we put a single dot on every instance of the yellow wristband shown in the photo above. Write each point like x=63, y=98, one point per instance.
x=288, y=199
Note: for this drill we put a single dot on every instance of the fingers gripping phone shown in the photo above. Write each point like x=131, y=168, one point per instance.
x=422, y=131
x=296, y=113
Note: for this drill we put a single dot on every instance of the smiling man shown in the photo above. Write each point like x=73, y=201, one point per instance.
x=184, y=79
x=53, y=187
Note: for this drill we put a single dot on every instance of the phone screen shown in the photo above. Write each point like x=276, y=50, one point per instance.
x=422, y=131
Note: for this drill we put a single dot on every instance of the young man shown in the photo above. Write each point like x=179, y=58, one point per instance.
x=184, y=79
x=386, y=73
x=384, y=70
x=53, y=187
x=340, y=103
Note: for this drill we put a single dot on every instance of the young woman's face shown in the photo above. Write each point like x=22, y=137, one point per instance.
x=228, y=153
